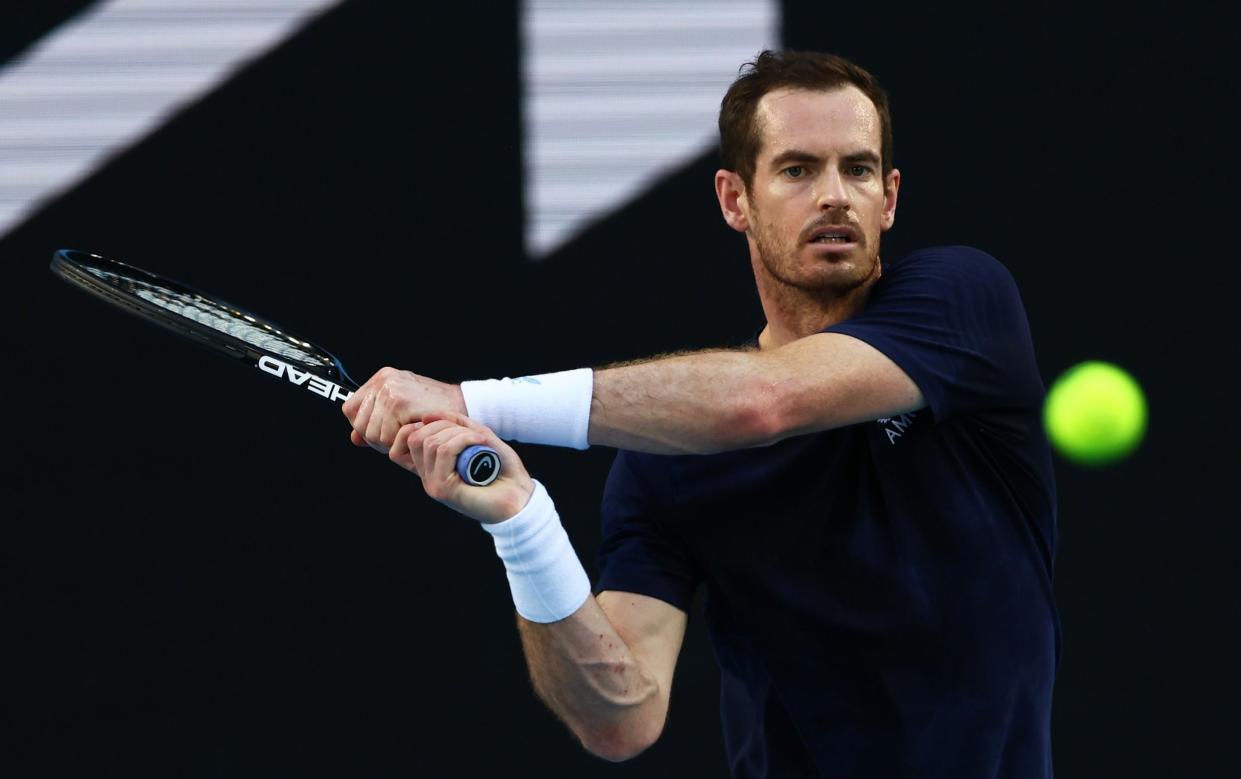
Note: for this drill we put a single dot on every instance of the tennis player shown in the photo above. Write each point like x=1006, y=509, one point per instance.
x=864, y=495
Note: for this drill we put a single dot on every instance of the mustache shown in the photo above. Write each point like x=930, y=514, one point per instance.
x=855, y=229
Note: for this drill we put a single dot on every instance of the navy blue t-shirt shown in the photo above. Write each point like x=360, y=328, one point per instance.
x=879, y=596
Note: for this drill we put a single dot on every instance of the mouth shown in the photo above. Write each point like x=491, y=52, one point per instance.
x=835, y=236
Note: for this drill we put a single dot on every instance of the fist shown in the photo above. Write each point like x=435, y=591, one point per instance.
x=430, y=448
x=391, y=399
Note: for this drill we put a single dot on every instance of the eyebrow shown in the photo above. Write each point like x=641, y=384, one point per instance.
x=798, y=155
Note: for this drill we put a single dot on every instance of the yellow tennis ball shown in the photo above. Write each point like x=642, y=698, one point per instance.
x=1095, y=413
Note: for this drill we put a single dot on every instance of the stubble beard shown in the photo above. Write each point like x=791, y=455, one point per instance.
x=824, y=286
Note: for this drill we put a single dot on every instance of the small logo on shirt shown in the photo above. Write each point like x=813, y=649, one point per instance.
x=896, y=427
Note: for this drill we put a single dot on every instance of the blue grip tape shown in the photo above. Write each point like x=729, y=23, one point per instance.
x=478, y=465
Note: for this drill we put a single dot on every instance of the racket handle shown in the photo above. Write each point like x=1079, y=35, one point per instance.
x=478, y=465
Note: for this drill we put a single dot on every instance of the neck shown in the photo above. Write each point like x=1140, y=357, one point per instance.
x=794, y=313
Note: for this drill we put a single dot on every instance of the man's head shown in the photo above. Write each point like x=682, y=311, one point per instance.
x=806, y=142
x=740, y=132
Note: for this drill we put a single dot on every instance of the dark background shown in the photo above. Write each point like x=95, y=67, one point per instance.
x=201, y=577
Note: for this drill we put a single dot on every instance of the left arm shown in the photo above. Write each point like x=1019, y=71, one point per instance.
x=695, y=403
x=719, y=400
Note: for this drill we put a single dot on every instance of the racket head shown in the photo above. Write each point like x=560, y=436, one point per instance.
x=203, y=318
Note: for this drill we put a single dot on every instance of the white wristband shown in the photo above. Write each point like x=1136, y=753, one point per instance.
x=550, y=408
x=547, y=580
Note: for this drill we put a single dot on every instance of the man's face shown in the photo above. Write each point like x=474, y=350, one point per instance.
x=819, y=202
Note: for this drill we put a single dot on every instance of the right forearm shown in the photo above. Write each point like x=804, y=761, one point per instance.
x=589, y=677
x=582, y=663
x=579, y=663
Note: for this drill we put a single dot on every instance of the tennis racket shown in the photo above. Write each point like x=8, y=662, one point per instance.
x=234, y=332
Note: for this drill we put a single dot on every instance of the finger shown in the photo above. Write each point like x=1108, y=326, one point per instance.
x=417, y=443
x=356, y=439
x=399, y=453
x=447, y=447
x=435, y=439
x=354, y=403
x=389, y=427
x=509, y=460
x=350, y=407
x=425, y=431
x=430, y=455
x=374, y=425
x=387, y=417
x=362, y=415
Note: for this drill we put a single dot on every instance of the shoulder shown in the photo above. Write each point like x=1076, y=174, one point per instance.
x=950, y=264
x=947, y=275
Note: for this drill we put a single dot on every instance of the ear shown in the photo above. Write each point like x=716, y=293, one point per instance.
x=891, y=185
x=730, y=191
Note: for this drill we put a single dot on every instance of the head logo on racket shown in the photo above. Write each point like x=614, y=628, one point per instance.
x=478, y=465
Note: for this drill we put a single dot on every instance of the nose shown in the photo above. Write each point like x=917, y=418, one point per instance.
x=831, y=192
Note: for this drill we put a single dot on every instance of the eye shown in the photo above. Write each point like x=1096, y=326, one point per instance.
x=795, y=171
x=859, y=170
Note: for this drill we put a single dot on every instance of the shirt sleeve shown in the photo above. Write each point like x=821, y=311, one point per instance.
x=953, y=320
x=639, y=553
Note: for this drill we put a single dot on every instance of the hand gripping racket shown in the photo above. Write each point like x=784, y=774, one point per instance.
x=235, y=332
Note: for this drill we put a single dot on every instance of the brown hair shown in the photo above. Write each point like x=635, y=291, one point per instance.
x=740, y=136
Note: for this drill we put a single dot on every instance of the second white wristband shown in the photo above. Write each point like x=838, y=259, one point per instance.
x=547, y=580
